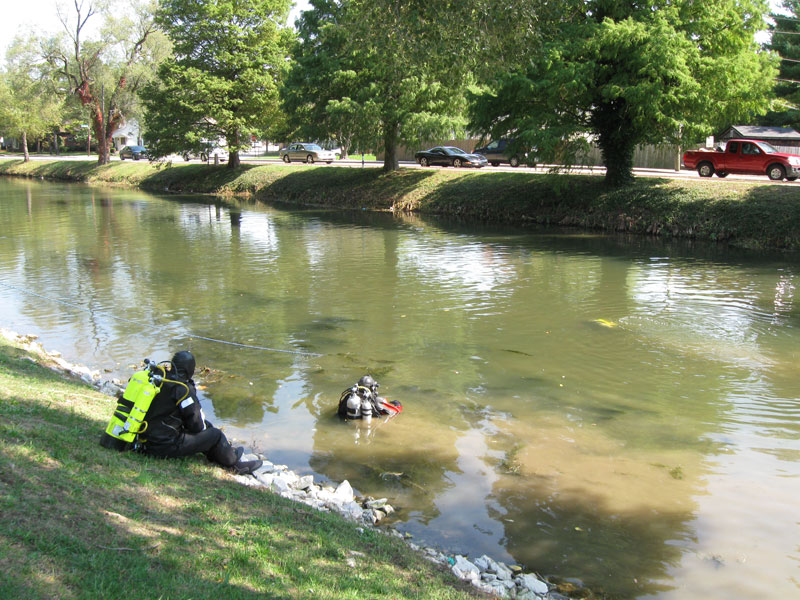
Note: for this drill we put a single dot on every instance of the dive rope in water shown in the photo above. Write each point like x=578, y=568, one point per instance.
x=145, y=326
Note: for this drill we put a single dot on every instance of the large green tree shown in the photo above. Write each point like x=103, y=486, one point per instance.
x=627, y=73
x=381, y=69
x=28, y=107
x=222, y=81
x=317, y=91
x=785, y=42
x=105, y=73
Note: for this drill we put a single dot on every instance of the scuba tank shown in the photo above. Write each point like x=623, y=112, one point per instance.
x=353, y=404
x=366, y=408
x=128, y=419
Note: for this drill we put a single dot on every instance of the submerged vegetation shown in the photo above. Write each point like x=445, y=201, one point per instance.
x=755, y=215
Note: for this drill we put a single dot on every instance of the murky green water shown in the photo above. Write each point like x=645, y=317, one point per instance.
x=625, y=412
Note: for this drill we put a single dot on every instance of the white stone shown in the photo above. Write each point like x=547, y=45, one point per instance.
x=266, y=467
x=463, y=569
x=484, y=563
x=495, y=588
x=288, y=477
x=503, y=572
x=350, y=509
x=379, y=503
x=305, y=482
x=279, y=485
x=247, y=480
x=344, y=492
x=265, y=478
x=533, y=583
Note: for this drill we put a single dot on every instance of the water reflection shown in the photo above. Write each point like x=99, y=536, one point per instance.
x=620, y=410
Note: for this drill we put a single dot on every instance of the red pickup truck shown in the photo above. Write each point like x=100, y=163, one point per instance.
x=750, y=157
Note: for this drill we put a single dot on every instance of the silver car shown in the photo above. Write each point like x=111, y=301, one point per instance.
x=309, y=153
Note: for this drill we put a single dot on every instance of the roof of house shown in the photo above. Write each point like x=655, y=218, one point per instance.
x=760, y=132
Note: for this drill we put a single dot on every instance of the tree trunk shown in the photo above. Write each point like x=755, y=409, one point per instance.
x=233, y=159
x=619, y=164
x=617, y=142
x=104, y=150
x=25, y=147
x=390, y=161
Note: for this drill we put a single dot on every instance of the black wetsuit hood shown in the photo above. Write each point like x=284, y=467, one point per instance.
x=184, y=364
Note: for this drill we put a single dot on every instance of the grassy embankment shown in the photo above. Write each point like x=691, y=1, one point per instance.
x=757, y=215
x=79, y=521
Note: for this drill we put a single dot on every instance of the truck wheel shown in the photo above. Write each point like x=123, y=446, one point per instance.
x=776, y=172
x=705, y=169
x=514, y=161
x=721, y=175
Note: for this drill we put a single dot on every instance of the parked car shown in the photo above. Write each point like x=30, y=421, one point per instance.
x=209, y=154
x=134, y=152
x=309, y=153
x=449, y=156
x=498, y=151
x=752, y=157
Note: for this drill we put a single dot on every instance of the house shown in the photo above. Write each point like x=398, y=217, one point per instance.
x=783, y=138
x=127, y=134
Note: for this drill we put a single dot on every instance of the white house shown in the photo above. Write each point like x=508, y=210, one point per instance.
x=127, y=134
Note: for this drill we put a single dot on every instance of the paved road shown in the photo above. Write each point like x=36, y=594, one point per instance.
x=357, y=163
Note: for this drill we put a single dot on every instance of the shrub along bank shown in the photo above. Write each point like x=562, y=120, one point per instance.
x=756, y=215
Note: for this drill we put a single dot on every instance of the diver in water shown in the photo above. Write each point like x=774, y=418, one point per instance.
x=361, y=401
x=176, y=425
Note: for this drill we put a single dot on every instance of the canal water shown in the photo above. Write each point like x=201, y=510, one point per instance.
x=619, y=410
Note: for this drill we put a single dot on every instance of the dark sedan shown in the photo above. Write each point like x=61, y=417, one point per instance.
x=134, y=152
x=449, y=156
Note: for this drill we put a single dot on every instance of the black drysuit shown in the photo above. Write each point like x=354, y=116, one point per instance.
x=177, y=427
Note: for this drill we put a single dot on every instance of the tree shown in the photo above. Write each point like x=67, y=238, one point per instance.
x=376, y=69
x=628, y=73
x=28, y=108
x=316, y=91
x=785, y=42
x=223, y=79
x=105, y=74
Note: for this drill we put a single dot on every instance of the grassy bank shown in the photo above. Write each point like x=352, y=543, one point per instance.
x=757, y=215
x=80, y=521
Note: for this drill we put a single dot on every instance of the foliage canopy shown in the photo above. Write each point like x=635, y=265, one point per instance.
x=222, y=82
x=628, y=73
x=377, y=72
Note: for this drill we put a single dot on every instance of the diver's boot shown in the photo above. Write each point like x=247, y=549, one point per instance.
x=246, y=467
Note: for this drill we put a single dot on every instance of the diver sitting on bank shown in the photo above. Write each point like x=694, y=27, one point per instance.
x=362, y=401
x=160, y=414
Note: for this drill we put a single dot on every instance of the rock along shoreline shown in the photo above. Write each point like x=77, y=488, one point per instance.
x=489, y=576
